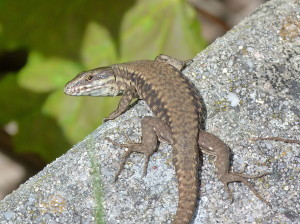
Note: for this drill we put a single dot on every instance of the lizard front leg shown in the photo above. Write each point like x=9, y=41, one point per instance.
x=153, y=130
x=212, y=145
x=123, y=104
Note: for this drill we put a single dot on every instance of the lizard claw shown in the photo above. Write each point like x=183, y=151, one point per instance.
x=125, y=156
x=229, y=192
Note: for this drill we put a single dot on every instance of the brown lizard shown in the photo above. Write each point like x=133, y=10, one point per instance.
x=178, y=114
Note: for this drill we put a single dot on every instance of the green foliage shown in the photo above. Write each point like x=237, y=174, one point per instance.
x=65, y=37
x=160, y=26
x=38, y=132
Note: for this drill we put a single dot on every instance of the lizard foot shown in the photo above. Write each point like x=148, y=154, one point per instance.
x=131, y=147
x=239, y=177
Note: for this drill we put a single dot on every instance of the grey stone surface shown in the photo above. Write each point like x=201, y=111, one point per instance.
x=249, y=80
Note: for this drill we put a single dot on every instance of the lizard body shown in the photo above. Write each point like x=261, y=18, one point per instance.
x=169, y=95
x=178, y=114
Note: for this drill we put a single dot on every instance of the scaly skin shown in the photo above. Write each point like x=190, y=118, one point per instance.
x=173, y=100
x=170, y=98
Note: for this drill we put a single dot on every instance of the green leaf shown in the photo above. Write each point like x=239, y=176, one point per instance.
x=98, y=48
x=40, y=134
x=42, y=74
x=37, y=132
x=153, y=27
x=56, y=27
x=15, y=101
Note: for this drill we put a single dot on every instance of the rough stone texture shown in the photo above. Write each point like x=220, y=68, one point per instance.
x=249, y=80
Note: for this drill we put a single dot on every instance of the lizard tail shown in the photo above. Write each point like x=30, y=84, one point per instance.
x=188, y=182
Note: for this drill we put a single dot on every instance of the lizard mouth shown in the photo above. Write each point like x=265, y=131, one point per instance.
x=90, y=90
x=80, y=90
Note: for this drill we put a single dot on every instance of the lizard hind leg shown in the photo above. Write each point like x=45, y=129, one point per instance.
x=212, y=145
x=153, y=130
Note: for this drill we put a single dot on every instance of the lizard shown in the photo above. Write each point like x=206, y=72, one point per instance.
x=178, y=111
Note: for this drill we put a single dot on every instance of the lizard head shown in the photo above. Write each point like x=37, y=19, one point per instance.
x=96, y=82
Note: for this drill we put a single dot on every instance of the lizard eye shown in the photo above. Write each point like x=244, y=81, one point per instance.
x=88, y=77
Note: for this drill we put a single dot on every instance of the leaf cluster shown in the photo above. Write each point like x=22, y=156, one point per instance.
x=63, y=38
